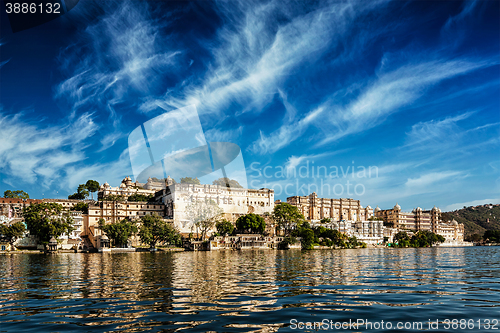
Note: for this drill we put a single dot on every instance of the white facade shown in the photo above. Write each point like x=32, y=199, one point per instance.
x=233, y=201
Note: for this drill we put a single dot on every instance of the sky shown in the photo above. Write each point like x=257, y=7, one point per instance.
x=382, y=101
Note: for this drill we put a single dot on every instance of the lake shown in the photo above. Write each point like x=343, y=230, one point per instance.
x=253, y=291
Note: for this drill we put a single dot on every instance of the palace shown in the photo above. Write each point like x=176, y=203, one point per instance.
x=127, y=188
x=418, y=219
x=234, y=202
x=314, y=208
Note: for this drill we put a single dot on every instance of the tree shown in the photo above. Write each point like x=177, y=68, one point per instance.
x=47, y=219
x=401, y=236
x=251, y=223
x=287, y=217
x=224, y=227
x=13, y=231
x=118, y=232
x=140, y=197
x=189, y=180
x=154, y=230
x=82, y=207
x=204, y=214
x=81, y=193
x=492, y=236
x=113, y=197
x=92, y=186
x=19, y=194
x=227, y=182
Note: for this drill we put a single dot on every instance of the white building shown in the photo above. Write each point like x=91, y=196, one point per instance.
x=233, y=201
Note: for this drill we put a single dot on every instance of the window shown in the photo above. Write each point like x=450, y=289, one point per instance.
x=3, y=247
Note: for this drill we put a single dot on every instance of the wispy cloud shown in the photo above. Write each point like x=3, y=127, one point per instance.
x=390, y=92
x=124, y=56
x=32, y=152
x=456, y=206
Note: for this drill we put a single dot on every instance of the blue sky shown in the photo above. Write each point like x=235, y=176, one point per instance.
x=407, y=90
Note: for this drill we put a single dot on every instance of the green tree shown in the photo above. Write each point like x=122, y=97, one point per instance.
x=204, y=214
x=19, y=194
x=251, y=223
x=492, y=236
x=118, y=232
x=287, y=217
x=189, y=180
x=307, y=239
x=13, y=231
x=92, y=186
x=154, y=230
x=47, y=219
x=81, y=193
x=113, y=197
x=227, y=182
x=401, y=236
x=82, y=207
x=140, y=197
x=224, y=227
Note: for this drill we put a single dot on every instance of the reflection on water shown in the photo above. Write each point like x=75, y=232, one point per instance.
x=245, y=291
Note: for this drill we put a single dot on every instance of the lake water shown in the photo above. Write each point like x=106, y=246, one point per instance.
x=253, y=291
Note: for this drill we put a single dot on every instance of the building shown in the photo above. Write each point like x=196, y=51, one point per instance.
x=127, y=188
x=115, y=211
x=314, y=208
x=453, y=232
x=418, y=219
x=234, y=202
x=415, y=220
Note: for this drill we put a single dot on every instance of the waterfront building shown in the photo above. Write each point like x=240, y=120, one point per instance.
x=418, y=219
x=115, y=211
x=453, y=232
x=314, y=208
x=234, y=202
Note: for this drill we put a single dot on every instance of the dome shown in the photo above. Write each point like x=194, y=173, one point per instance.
x=434, y=209
x=368, y=207
x=397, y=207
x=377, y=209
x=104, y=237
x=52, y=241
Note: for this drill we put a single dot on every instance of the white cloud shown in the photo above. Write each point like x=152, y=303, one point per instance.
x=35, y=153
x=428, y=181
x=456, y=206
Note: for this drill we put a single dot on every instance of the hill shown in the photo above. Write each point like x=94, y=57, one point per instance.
x=476, y=219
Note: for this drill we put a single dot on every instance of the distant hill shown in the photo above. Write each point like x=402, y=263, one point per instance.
x=476, y=219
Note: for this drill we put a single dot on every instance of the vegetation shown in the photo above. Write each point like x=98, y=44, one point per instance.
x=422, y=238
x=204, y=214
x=492, y=236
x=113, y=197
x=47, y=219
x=13, y=231
x=81, y=193
x=251, y=223
x=141, y=197
x=476, y=219
x=226, y=181
x=189, y=180
x=287, y=217
x=156, y=230
x=224, y=227
x=19, y=194
x=82, y=207
x=324, y=237
x=92, y=186
x=118, y=232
